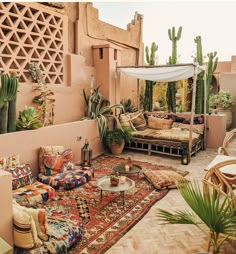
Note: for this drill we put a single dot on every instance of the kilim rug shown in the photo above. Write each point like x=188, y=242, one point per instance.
x=107, y=221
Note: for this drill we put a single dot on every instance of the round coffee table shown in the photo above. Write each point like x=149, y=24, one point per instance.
x=120, y=168
x=104, y=184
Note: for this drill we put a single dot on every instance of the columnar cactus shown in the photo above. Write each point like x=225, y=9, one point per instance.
x=171, y=89
x=150, y=59
x=200, y=78
x=212, y=64
x=13, y=84
x=8, y=93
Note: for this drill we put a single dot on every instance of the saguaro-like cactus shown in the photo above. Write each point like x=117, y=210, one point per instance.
x=212, y=64
x=171, y=89
x=13, y=85
x=9, y=86
x=200, y=78
x=150, y=59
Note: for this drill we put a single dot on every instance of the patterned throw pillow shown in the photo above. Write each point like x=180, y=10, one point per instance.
x=138, y=121
x=24, y=229
x=159, y=123
x=54, y=164
x=126, y=122
x=49, y=150
x=197, y=128
x=163, y=179
x=21, y=176
x=11, y=161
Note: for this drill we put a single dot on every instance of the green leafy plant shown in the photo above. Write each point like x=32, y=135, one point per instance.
x=128, y=106
x=99, y=108
x=44, y=99
x=28, y=119
x=117, y=135
x=209, y=207
x=223, y=99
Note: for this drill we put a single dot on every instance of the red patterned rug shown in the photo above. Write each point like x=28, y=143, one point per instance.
x=107, y=221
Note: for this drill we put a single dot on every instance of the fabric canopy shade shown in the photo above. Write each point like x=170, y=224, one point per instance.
x=169, y=73
x=164, y=73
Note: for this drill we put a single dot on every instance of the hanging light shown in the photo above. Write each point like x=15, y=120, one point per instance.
x=86, y=155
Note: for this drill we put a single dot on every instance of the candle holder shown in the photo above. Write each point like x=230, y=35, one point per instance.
x=86, y=155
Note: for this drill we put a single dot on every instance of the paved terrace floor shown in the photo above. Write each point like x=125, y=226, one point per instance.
x=149, y=235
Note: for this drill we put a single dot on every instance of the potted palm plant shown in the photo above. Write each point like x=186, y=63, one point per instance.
x=115, y=139
x=208, y=208
x=222, y=103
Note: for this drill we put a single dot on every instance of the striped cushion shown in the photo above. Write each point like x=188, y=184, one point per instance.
x=24, y=229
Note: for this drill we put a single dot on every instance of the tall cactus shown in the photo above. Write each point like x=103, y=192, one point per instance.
x=171, y=89
x=150, y=59
x=13, y=83
x=212, y=64
x=9, y=86
x=200, y=78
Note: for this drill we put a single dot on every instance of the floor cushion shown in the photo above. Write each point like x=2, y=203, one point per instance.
x=163, y=179
x=64, y=224
x=31, y=194
x=67, y=180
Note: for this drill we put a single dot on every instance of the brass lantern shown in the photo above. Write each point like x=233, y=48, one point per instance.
x=86, y=155
x=184, y=157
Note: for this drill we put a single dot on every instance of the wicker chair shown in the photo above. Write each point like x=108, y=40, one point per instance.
x=229, y=136
x=221, y=183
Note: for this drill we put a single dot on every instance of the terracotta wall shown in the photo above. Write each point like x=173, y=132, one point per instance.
x=27, y=143
x=6, y=207
x=227, y=82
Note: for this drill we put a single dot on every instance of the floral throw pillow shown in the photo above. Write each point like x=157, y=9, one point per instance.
x=21, y=176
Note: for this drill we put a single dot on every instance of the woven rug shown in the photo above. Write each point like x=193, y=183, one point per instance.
x=107, y=221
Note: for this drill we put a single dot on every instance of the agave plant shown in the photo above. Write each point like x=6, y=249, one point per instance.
x=209, y=208
x=99, y=108
x=28, y=119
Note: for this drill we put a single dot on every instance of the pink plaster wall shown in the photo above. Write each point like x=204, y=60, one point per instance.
x=227, y=82
x=27, y=143
x=6, y=208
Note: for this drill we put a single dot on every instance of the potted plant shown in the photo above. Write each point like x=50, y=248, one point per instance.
x=115, y=139
x=99, y=108
x=222, y=103
x=210, y=207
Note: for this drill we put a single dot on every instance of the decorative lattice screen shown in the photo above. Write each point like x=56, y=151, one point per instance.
x=31, y=34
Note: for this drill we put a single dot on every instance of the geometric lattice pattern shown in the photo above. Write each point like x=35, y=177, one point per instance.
x=28, y=34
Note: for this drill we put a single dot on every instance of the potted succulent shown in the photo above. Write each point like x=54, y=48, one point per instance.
x=115, y=139
x=222, y=103
x=114, y=180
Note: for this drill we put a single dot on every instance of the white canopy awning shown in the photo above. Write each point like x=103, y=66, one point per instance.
x=164, y=73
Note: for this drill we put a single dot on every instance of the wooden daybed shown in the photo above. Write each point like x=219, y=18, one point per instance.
x=157, y=143
x=163, y=133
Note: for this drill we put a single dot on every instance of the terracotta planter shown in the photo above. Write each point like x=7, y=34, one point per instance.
x=117, y=149
x=228, y=114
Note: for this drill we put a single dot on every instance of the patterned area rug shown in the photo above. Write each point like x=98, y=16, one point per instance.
x=107, y=221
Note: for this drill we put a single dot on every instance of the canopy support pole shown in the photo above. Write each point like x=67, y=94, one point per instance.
x=205, y=109
x=192, y=113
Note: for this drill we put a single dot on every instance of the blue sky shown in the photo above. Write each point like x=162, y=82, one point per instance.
x=213, y=20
